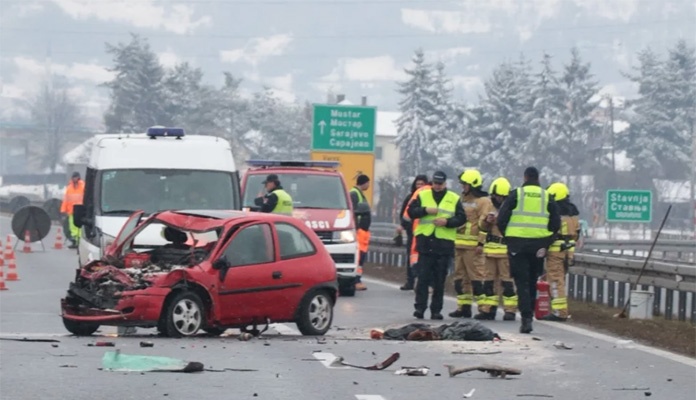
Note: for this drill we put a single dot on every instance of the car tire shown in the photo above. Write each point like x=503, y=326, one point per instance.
x=315, y=314
x=183, y=315
x=80, y=328
x=347, y=290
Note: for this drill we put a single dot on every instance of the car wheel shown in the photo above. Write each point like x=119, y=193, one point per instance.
x=347, y=290
x=79, y=328
x=183, y=315
x=315, y=314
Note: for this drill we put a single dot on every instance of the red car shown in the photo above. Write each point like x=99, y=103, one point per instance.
x=213, y=270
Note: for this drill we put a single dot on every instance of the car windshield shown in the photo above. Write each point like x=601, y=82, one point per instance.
x=307, y=191
x=126, y=190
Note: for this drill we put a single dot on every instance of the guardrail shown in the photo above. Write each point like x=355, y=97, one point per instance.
x=603, y=272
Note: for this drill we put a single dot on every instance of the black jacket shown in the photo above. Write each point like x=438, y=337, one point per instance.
x=517, y=245
x=271, y=200
x=363, y=220
x=407, y=225
x=430, y=244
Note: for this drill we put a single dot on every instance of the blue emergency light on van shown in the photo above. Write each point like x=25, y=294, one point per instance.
x=161, y=131
x=306, y=164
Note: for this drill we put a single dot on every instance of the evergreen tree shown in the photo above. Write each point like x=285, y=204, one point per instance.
x=232, y=115
x=416, y=125
x=190, y=104
x=137, y=93
x=443, y=121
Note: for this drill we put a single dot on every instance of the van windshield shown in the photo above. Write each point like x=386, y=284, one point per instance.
x=123, y=191
x=307, y=191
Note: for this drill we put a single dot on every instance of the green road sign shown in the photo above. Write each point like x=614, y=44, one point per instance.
x=343, y=128
x=629, y=206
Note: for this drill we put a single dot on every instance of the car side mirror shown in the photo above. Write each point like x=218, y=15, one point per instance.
x=221, y=263
x=79, y=215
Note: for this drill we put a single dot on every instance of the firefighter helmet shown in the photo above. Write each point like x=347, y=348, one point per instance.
x=500, y=186
x=558, y=190
x=472, y=177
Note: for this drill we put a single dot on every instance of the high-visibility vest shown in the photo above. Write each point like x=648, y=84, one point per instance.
x=73, y=195
x=361, y=199
x=284, y=204
x=530, y=217
x=446, y=209
x=568, y=234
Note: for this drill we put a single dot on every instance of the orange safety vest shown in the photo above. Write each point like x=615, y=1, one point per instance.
x=73, y=195
x=413, y=254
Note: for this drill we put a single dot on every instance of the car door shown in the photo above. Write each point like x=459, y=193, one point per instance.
x=252, y=281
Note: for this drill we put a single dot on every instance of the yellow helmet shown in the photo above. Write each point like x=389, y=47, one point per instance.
x=500, y=186
x=558, y=190
x=472, y=177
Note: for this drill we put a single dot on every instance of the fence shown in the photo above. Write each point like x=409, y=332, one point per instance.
x=604, y=271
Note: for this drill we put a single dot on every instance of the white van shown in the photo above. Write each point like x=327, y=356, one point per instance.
x=162, y=169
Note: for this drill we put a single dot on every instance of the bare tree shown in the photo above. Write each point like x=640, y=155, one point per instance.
x=56, y=114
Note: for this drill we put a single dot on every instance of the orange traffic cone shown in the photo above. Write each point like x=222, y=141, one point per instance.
x=2, y=259
x=9, y=251
x=12, y=271
x=27, y=243
x=2, y=279
x=59, y=239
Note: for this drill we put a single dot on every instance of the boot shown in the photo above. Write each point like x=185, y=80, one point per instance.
x=526, y=326
x=418, y=314
x=461, y=312
x=509, y=316
x=487, y=316
x=407, y=286
x=360, y=286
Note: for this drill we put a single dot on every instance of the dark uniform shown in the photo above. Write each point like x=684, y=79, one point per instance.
x=528, y=218
x=435, y=244
x=277, y=200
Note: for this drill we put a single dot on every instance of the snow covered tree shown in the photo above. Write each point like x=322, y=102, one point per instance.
x=137, y=93
x=444, y=121
x=232, y=115
x=416, y=125
x=189, y=103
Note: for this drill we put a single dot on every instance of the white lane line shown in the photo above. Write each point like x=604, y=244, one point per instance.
x=14, y=335
x=580, y=331
x=369, y=397
x=284, y=329
x=327, y=359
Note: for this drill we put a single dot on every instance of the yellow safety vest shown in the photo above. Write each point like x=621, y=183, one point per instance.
x=530, y=217
x=567, y=235
x=446, y=209
x=284, y=205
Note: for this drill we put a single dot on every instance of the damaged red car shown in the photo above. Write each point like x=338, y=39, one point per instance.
x=189, y=271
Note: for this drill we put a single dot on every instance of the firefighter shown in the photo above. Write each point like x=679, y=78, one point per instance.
x=470, y=264
x=363, y=219
x=421, y=183
x=276, y=200
x=74, y=193
x=439, y=212
x=528, y=218
x=561, y=251
x=495, y=251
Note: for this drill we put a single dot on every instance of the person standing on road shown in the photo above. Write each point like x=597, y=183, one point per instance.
x=363, y=220
x=74, y=193
x=407, y=225
x=495, y=251
x=561, y=251
x=528, y=218
x=439, y=213
x=276, y=200
x=470, y=264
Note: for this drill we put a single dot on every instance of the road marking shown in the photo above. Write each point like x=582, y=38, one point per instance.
x=369, y=397
x=31, y=335
x=326, y=360
x=580, y=331
x=284, y=329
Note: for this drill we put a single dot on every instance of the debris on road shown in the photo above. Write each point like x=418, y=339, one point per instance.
x=538, y=339
x=633, y=388
x=377, y=367
x=54, y=345
x=561, y=345
x=477, y=352
x=68, y=366
x=32, y=340
x=115, y=361
x=102, y=344
x=245, y=336
x=376, y=334
x=534, y=395
x=413, y=371
x=492, y=370
x=460, y=331
x=147, y=344
x=467, y=395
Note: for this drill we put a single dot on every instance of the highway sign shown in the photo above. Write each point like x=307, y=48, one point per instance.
x=339, y=128
x=352, y=165
x=629, y=206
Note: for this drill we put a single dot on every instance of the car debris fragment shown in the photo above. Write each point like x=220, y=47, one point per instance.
x=561, y=345
x=147, y=344
x=338, y=361
x=118, y=362
x=468, y=395
x=101, y=344
x=413, y=371
x=492, y=370
x=477, y=352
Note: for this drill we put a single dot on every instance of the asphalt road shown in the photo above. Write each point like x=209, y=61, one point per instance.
x=289, y=366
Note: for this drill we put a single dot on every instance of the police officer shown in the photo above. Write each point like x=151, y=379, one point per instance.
x=276, y=200
x=495, y=250
x=363, y=220
x=439, y=212
x=528, y=218
x=561, y=251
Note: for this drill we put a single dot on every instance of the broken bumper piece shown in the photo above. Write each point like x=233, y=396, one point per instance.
x=141, y=309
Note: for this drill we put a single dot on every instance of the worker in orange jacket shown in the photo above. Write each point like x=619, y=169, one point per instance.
x=74, y=192
x=413, y=253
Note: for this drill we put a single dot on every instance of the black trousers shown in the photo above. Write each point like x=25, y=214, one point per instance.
x=525, y=269
x=432, y=271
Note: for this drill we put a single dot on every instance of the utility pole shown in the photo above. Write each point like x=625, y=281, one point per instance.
x=613, y=142
x=693, y=177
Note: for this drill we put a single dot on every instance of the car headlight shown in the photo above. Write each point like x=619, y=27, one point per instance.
x=347, y=236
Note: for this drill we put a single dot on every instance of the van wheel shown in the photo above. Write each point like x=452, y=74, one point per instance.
x=315, y=314
x=183, y=316
x=79, y=328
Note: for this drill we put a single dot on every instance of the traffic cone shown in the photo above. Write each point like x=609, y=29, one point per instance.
x=9, y=251
x=27, y=243
x=2, y=279
x=59, y=239
x=12, y=271
x=2, y=259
